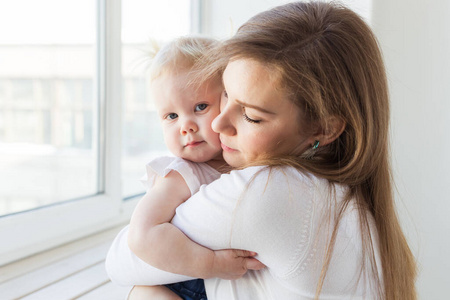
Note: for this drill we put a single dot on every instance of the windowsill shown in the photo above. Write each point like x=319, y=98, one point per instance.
x=71, y=271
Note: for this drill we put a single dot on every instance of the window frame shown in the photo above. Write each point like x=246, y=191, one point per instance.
x=45, y=227
x=26, y=233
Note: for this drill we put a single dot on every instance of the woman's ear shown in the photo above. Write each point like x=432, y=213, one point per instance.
x=334, y=128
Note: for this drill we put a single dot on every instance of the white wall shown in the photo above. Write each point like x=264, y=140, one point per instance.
x=223, y=18
x=415, y=38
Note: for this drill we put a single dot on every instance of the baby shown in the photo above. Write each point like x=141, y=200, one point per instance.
x=186, y=112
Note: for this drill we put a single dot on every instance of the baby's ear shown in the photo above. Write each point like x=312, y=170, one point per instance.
x=334, y=127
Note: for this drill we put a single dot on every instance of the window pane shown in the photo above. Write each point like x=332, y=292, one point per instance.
x=47, y=148
x=142, y=21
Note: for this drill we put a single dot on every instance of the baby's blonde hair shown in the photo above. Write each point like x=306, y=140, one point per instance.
x=180, y=54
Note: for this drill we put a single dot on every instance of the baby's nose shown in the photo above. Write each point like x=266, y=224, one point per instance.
x=188, y=127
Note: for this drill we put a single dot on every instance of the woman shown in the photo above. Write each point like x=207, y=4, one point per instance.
x=304, y=117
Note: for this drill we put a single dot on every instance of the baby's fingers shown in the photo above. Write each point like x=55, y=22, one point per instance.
x=243, y=253
x=250, y=263
x=253, y=264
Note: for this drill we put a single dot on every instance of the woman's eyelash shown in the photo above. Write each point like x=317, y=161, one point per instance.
x=246, y=118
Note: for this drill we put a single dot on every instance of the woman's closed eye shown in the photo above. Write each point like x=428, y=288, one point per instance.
x=248, y=119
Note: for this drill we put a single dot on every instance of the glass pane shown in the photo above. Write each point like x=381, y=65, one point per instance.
x=142, y=21
x=47, y=58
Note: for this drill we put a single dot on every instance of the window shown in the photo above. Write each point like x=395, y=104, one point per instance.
x=76, y=122
x=47, y=79
x=144, y=21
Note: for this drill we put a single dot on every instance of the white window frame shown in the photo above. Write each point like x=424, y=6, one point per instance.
x=26, y=233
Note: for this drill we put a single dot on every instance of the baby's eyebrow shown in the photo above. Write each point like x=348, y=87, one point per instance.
x=254, y=107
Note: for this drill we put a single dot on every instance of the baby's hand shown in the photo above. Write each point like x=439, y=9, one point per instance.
x=233, y=263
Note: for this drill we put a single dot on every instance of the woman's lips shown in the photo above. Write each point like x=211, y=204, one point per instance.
x=226, y=148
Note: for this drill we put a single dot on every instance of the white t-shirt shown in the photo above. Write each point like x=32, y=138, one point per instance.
x=281, y=214
x=194, y=174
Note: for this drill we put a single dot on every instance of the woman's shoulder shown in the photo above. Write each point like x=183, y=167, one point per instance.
x=281, y=182
x=285, y=183
x=277, y=174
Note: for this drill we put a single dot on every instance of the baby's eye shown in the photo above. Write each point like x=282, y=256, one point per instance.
x=200, y=107
x=171, y=116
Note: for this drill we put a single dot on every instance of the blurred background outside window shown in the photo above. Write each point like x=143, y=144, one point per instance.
x=48, y=149
x=49, y=134
x=144, y=21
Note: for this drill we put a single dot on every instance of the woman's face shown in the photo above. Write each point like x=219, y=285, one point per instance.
x=257, y=120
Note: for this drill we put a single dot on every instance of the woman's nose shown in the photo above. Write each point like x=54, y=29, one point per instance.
x=222, y=124
x=188, y=126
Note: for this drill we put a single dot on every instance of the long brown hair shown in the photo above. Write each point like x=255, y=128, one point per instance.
x=331, y=65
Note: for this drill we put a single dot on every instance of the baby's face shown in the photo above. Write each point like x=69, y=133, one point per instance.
x=186, y=114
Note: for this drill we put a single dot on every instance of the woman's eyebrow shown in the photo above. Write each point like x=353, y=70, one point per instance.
x=254, y=107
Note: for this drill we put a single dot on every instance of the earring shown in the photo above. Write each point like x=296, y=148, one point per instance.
x=315, y=145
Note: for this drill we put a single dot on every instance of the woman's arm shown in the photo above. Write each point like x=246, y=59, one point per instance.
x=125, y=268
x=164, y=246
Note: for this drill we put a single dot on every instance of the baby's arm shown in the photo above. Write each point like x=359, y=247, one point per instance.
x=159, y=243
x=157, y=206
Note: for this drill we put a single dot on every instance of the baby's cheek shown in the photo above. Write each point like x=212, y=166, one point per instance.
x=215, y=140
x=172, y=144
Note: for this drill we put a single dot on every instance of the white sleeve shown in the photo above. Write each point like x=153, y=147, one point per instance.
x=207, y=217
x=161, y=166
x=269, y=212
x=125, y=268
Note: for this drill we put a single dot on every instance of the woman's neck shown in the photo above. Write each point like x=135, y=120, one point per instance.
x=219, y=164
